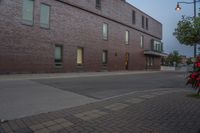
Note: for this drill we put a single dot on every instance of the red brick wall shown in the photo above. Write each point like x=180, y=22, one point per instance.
x=120, y=11
x=30, y=49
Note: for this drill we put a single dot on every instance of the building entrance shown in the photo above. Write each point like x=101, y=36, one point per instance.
x=126, y=61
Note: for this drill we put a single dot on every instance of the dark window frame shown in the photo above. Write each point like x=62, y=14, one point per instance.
x=45, y=27
x=127, y=42
x=142, y=41
x=156, y=45
x=27, y=22
x=59, y=63
x=143, y=22
x=98, y=4
x=133, y=17
x=106, y=58
x=82, y=56
x=107, y=33
x=150, y=61
x=147, y=23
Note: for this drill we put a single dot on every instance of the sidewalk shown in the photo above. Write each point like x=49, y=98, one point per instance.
x=68, y=75
x=158, y=111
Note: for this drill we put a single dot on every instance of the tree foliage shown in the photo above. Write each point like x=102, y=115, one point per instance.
x=189, y=61
x=172, y=58
x=188, y=30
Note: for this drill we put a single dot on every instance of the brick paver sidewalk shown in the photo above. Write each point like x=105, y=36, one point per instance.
x=153, y=112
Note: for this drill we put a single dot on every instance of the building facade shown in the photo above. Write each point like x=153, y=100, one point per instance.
x=41, y=36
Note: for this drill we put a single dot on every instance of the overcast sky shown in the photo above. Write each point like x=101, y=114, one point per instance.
x=164, y=12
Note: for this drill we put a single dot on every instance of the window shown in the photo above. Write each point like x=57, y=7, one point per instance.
x=105, y=57
x=141, y=41
x=154, y=46
x=105, y=31
x=157, y=46
x=98, y=4
x=133, y=17
x=150, y=61
x=27, y=11
x=161, y=47
x=142, y=21
x=127, y=37
x=79, y=56
x=147, y=23
x=44, y=15
x=58, y=57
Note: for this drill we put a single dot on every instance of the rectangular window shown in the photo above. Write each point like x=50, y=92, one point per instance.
x=98, y=4
x=154, y=46
x=133, y=17
x=58, y=57
x=161, y=47
x=127, y=37
x=147, y=23
x=27, y=11
x=157, y=46
x=150, y=61
x=142, y=21
x=105, y=57
x=44, y=15
x=105, y=31
x=141, y=41
x=79, y=56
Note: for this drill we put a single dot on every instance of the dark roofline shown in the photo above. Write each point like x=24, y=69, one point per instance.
x=116, y=21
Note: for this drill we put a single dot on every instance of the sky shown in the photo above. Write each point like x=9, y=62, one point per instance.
x=164, y=11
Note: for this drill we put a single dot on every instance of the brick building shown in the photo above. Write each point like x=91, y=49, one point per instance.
x=39, y=36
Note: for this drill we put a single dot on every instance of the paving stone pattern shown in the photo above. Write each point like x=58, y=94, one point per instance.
x=89, y=115
x=152, y=112
x=116, y=106
x=135, y=100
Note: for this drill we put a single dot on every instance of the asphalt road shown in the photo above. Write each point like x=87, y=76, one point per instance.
x=101, y=87
x=25, y=97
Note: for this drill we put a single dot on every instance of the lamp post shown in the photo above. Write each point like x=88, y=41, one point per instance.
x=178, y=8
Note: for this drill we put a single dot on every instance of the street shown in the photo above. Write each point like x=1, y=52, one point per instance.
x=24, y=97
x=101, y=87
x=110, y=102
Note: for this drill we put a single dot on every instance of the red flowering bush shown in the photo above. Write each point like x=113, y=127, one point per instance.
x=194, y=77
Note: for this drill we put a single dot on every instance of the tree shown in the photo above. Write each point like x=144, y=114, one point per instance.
x=188, y=30
x=173, y=57
x=189, y=61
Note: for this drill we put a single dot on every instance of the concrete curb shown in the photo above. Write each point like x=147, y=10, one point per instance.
x=68, y=75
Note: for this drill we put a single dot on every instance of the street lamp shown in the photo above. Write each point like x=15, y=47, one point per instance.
x=178, y=8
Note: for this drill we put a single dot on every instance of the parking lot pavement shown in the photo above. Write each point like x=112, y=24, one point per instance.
x=155, y=111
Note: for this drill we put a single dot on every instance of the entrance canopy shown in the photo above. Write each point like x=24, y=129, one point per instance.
x=155, y=53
